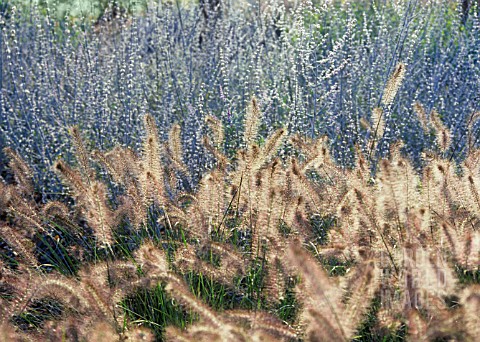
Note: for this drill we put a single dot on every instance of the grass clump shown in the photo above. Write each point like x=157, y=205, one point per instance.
x=253, y=252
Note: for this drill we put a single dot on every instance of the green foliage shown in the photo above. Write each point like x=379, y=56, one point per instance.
x=155, y=309
x=77, y=9
x=370, y=331
x=37, y=313
x=467, y=276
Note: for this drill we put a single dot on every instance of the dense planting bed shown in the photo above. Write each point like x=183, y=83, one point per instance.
x=240, y=171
